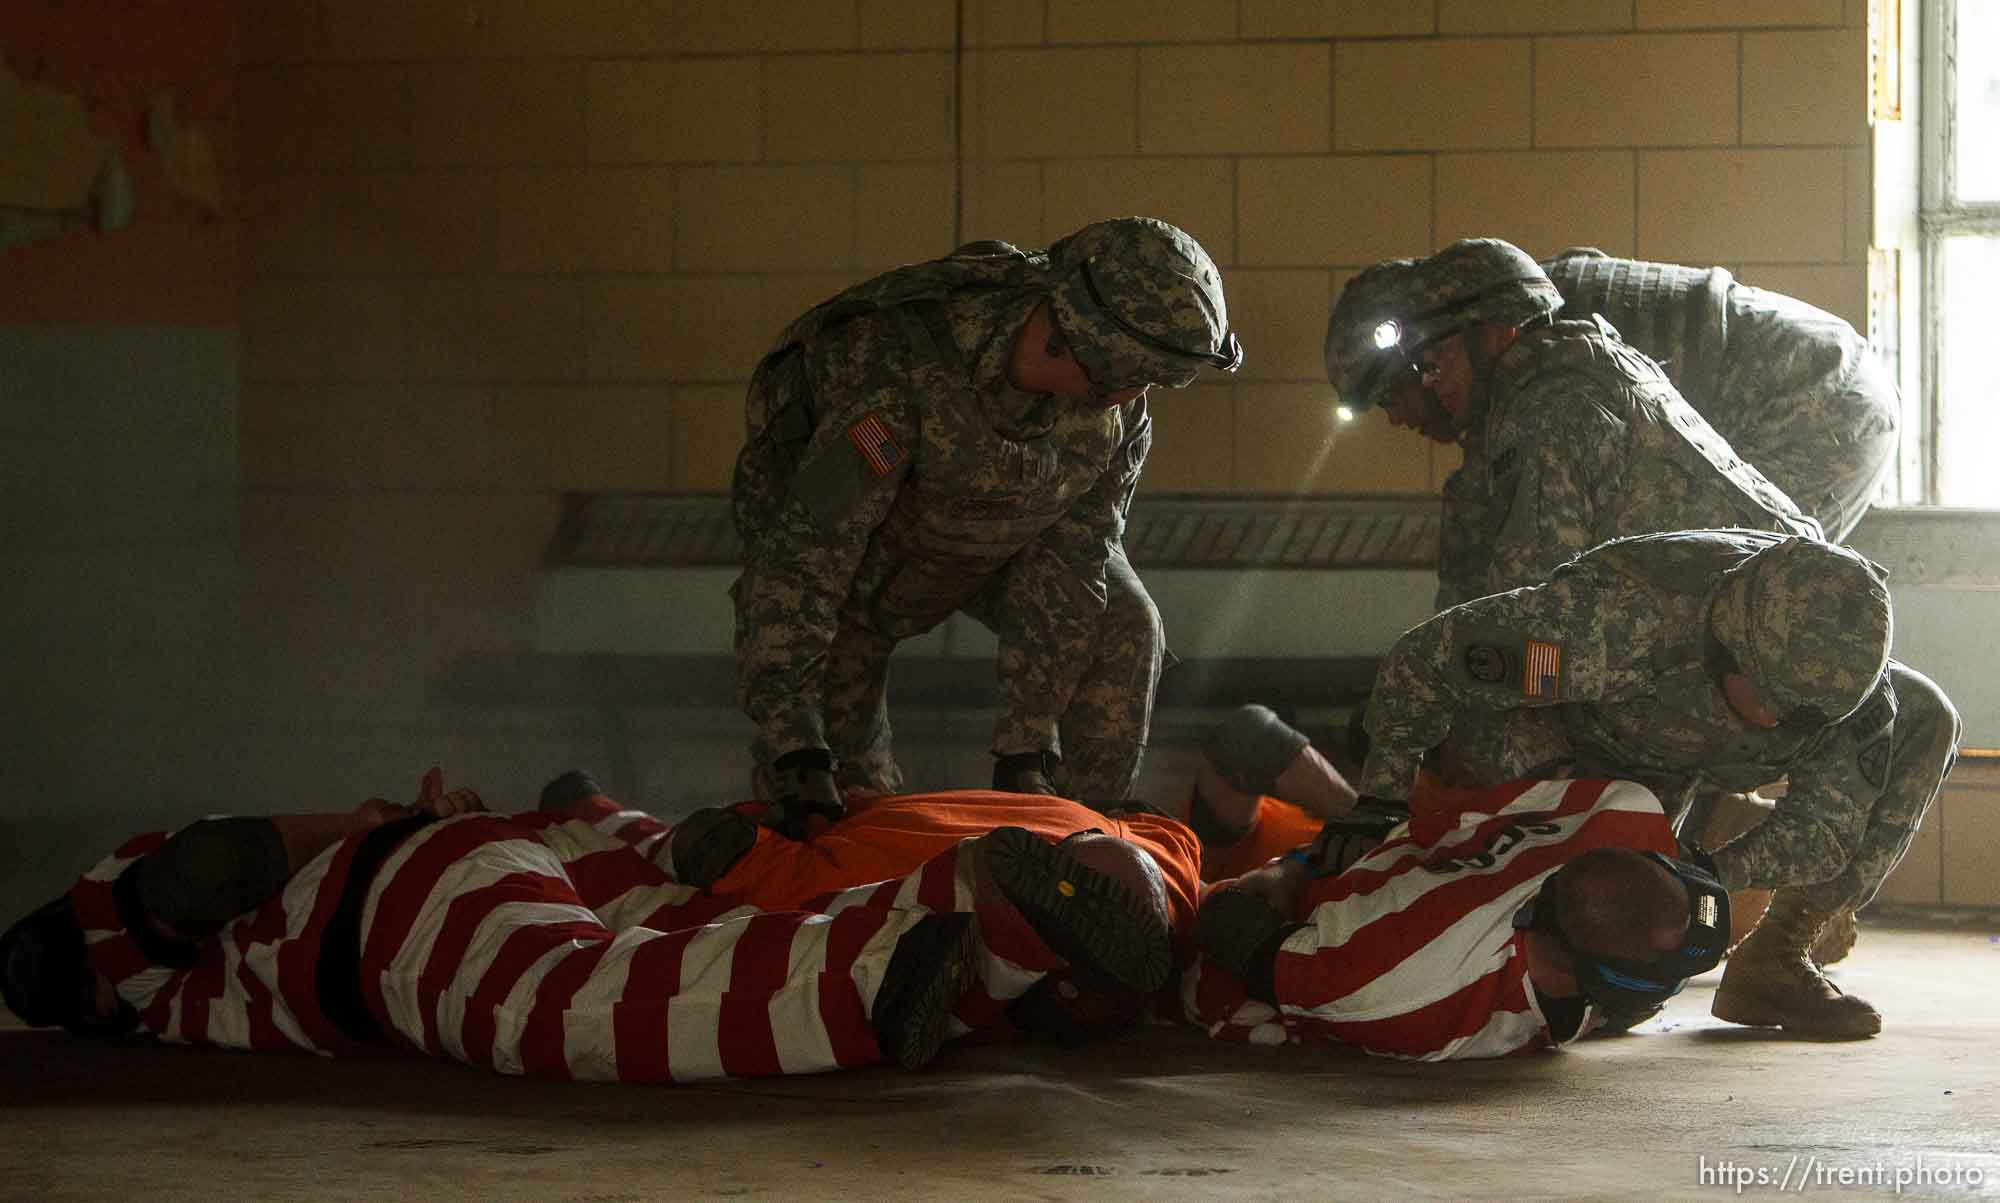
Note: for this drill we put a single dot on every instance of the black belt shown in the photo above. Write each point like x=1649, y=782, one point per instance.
x=337, y=974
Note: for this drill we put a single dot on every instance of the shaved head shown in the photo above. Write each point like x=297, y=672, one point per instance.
x=1613, y=902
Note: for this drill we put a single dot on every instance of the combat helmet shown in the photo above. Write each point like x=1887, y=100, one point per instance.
x=1809, y=624
x=1140, y=303
x=1389, y=312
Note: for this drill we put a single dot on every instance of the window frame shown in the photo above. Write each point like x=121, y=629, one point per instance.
x=1941, y=214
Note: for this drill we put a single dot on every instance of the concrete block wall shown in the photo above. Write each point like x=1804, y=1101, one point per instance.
x=605, y=211
x=502, y=248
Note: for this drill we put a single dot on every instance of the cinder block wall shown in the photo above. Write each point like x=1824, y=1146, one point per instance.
x=502, y=248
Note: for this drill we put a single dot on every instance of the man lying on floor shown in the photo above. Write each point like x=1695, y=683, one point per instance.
x=1494, y=929
x=1484, y=853
x=897, y=840
x=509, y=942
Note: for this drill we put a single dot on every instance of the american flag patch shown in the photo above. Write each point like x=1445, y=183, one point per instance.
x=877, y=446
x=1542, y=678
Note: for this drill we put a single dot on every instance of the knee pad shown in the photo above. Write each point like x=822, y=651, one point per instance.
x=1251, y=747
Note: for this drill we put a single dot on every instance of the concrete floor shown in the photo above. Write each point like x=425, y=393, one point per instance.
x=1162, y=1115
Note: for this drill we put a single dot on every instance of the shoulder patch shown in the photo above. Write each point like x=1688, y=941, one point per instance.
x=1875, y=715
x=1872, y=761
x=1486, y=663
x=836, y=478
x=879, y=449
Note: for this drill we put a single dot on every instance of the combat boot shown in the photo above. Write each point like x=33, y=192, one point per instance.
x=933, y=966
x=1837, y=940
x=1096, y=902
x=1771, y=981
x=1024, y=773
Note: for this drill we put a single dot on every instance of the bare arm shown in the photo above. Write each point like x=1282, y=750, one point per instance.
x=216, y=869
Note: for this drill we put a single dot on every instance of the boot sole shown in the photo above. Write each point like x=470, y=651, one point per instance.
x=914, y=1021
x=1756, y=1013
x=1108, y=936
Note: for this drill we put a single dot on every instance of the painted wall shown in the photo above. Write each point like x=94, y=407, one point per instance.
x=119, y=476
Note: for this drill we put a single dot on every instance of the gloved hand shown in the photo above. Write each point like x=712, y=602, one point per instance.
x=1354, y=835
x=1024, y=773
x=803, y=786
x=1241, y=932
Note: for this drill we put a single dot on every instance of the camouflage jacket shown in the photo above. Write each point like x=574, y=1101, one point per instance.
x=1583, y=439
x=1618, y=641
x=921, y=479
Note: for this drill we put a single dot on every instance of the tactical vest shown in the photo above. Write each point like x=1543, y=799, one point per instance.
x=1679, y=316
x=912, y=296
x=978, y=498
x=1683, y=730
x=1594, y=350
x=1768, y=371
x=976, y=495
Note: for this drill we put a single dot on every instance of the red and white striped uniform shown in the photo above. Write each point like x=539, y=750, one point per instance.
x=477, y=944
x=1412, y=951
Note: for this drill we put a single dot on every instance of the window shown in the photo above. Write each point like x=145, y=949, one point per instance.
x=1960, y=230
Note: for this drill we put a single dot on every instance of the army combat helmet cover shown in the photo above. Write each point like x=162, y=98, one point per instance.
x=1392, y=310
x=1809, y=624
x=1140, y=303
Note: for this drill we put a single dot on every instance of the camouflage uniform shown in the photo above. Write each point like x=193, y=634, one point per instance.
x=1794, y=389
x=1578, y=438
x=1583, y=439
x=1625, y=645
x=893, y=475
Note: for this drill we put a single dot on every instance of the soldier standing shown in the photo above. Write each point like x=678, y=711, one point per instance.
x=965, y=435
x=1701, y=661
x=1794, y=389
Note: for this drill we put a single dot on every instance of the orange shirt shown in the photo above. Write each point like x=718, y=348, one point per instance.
x=1276, y=828
x=891, y=835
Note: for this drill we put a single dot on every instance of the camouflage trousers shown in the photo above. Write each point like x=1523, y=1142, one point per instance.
x=1923, y=745
x=1100, y=735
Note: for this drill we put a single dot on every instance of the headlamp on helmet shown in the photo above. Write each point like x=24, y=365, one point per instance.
x=1391, y=311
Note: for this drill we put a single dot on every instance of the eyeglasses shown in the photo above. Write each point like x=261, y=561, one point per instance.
x=1394, y=360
